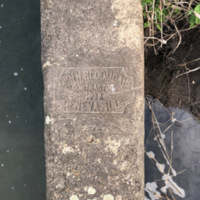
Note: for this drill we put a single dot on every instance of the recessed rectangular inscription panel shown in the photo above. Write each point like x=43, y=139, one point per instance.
x=93, y=66
x=93, y=90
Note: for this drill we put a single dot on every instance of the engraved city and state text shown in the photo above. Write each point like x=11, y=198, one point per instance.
x=93, y=90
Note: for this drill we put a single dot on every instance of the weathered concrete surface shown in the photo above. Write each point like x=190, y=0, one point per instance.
x=93, y=73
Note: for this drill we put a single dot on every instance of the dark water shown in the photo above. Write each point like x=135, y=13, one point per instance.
x=22, y=162
x=180, y=134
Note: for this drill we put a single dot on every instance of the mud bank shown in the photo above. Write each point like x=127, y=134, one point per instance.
x=175, y=79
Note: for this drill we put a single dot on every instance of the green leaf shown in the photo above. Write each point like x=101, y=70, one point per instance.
x=146, y=24
x=189, y=13
x=159, y=27
x=159, y=17
x=176, y=10
x=197, y=8
x=197, y=21
x=165, y=12
x=192, y=21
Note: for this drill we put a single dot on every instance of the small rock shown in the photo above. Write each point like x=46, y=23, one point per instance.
x=90, y=139
x=60, y=184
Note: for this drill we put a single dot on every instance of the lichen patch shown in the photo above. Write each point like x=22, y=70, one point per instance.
x=112, y=145
x=66, y=149
x=47, y=120
x=74, y=197
x=108, y=197
x=46, y=64
x=91, y=191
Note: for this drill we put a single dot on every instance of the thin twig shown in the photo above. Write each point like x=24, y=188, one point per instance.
x=189, y=71
x=185, y=64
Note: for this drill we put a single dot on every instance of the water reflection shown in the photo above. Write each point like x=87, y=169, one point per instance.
x=22, y=166
x=177, y=131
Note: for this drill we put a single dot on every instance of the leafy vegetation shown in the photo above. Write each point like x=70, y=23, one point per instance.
x=194, y=18
x=166, y=19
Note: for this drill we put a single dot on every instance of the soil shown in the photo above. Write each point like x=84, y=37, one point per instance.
x=162, y=74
